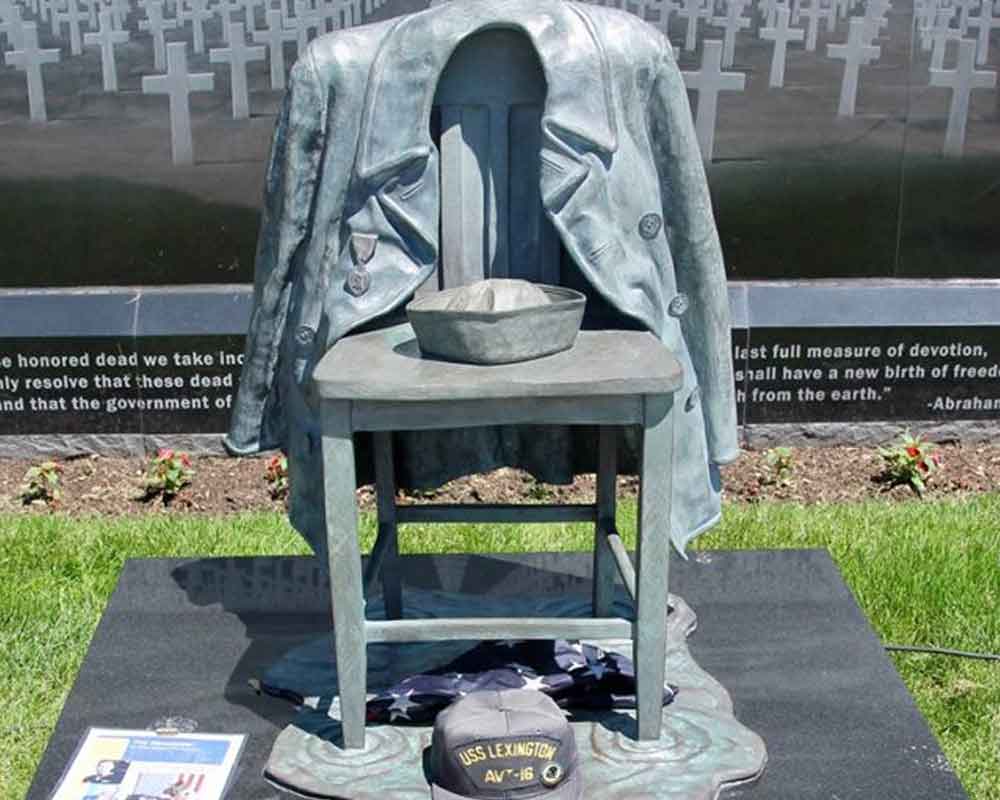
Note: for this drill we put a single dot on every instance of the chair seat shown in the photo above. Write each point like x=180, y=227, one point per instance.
x=386, y=365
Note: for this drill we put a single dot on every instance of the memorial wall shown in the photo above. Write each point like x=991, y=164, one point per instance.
x=852, y=148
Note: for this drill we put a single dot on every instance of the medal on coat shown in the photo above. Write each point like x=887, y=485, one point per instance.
x=362, y=250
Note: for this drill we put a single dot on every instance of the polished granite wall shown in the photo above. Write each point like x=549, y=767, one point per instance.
x=92, y=198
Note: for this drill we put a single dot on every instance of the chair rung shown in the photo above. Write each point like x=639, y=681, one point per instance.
x=437, y=630
x=622, y=560
x=496, y=513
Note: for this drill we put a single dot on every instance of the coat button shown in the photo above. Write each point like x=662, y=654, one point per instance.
x=649, y=226
x=679, y=306
x=305, y=335
x=358, y=281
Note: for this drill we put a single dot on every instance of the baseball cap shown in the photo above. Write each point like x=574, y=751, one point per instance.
x=506, y=744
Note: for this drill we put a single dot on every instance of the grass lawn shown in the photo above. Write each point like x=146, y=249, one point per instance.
x=923, y=572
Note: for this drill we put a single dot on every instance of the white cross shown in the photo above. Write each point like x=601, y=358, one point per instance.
x=120, y=9
x=732, y=23
x=353, y=14
x=286, y=16
x=225, y=9
x=692, y=11
x=985, y=23
x=237, y=55
x=940, y=35
x=708, y=82
x=73, y=16
x=781, y=35
x=963, y=7
x=855, y=53
x=924, y=13
x=961, y=80
x=771, y=19
x=93, y=10
x=157, y=26
x=106, y=38
x=329, y=10
x=874, y=17
x=814, y=14
x=45, y=10
x=196, y=13
x=305, y=20
x=12, y=25
x=275, y=37
x=250, y=14
x=30, y=59
x=178, y=84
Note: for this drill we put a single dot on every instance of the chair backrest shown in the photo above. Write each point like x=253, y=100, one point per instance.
x=487, y=121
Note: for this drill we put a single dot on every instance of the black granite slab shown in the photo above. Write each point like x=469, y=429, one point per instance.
x=779, y=629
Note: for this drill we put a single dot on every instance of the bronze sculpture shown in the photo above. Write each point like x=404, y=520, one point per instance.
x=350, y=228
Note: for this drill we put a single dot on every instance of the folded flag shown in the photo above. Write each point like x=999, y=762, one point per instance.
x=574, y=675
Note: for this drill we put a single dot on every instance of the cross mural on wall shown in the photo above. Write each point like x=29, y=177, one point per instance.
x=30, y=59
x=962, y=81
x=178, y=84
x=708, y=82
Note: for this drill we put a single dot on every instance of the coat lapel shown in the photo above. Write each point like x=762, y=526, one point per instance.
x=396, y=169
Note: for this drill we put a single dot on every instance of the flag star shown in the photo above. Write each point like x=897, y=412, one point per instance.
x=597, y=669
x=537, y=683
x=401, y=705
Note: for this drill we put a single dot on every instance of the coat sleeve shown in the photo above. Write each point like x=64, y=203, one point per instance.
x=697, y=255
x=290, y=189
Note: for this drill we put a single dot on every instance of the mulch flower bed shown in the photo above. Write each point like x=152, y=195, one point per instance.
x=115, y=486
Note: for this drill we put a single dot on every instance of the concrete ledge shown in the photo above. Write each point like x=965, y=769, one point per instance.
x=825, y=434
x=871, y=303
x=756, y=437
x=132, y=445
x=225, y=308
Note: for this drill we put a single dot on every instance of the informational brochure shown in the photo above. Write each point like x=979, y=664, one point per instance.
x=117, y=764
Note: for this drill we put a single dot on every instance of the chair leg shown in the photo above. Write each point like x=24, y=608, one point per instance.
x=385, y=491
x=345, y=570
x=652, y=562
x=604, y=564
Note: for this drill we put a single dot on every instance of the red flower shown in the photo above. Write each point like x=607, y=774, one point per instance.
x=185, y=459
x=923, y=466
x=912, y=452
x=165, y=454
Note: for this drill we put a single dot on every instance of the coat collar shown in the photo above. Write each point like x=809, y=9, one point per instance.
x=405, y=74
x=395, y=197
